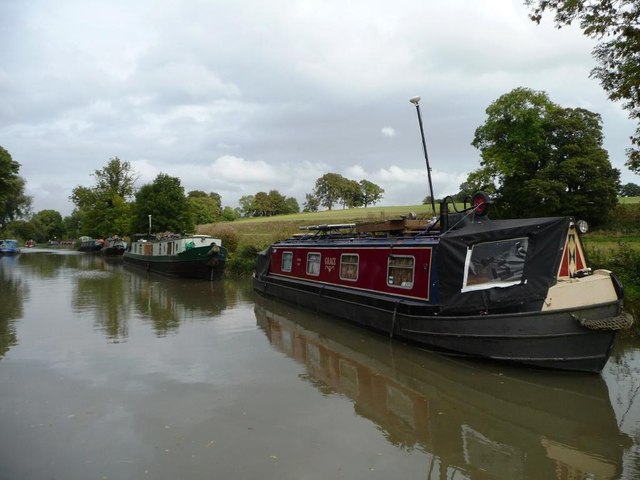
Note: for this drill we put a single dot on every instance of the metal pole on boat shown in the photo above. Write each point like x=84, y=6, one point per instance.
x=149, y=225
x=416, y=102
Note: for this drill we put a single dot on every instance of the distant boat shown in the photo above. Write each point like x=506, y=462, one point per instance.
x=30, y=244
x=9, y=247
x=89, y=244
x=113, y=247
x=190, y=256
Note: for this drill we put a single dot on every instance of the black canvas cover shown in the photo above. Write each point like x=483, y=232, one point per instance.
x=263, y=261
x=545, y=239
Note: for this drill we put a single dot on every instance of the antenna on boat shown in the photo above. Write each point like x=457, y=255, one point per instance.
x=416, y=102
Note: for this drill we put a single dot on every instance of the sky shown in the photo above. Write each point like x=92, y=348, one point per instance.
x=242, y=96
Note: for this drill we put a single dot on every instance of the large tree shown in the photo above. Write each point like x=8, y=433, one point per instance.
x=350, y=194
x=165, y=201
x=206, y=207
x=49, y=225
x=616, y=25
x=329, y=188
x=541, y=159
x=247, y=205
x=104, y=209
x=311, y=203
x=291, y=205
x=371, y=193
x=13, y=201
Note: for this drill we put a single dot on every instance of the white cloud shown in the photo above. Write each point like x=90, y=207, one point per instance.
x=234, y=169
x=388, y=132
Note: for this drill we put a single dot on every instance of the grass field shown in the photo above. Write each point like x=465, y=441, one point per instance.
x=347, y=215
x=261, y=231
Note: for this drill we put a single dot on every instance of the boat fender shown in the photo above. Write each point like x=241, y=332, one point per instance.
x=393, y=319
x=319, y=298
x=215, y=249
x=619, y=322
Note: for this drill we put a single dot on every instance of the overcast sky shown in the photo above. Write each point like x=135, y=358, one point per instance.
x=242, y=96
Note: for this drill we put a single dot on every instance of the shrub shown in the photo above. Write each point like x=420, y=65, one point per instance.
x=226, y=233
x=624, y=262
x=624, y=218
x=243, y=261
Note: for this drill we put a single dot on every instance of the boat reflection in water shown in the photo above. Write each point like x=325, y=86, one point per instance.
x=471, y=421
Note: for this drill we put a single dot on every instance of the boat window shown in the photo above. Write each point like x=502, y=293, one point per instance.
x=313, y=264
x=348, y=267
x=287, y=261
x=495, y=264
x=400, y=271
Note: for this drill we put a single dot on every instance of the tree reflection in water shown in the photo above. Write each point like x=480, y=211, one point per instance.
x=12, y=295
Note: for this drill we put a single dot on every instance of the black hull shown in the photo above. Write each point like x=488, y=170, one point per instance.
x=90, y=249
x=551, y=340
x=211, y=269
x=112, y=252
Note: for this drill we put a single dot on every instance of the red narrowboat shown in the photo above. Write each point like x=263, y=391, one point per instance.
x=512, y=290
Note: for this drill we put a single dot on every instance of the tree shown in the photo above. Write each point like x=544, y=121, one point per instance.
x=23, y=230
x=465, y=194
x=276, y=202
x=371, y=193
x=329, y=189
x=48, y=224
x=206, y=208
x=72, y=225
x=311, y=204
x=247, y=205
x=13, y=201
x=291, y=205
x=261, y=204
x=230, y=214
x=105, y=208
x=630, y=190
x=165, y=201
x=116, y=178
x=350, y=194
x=617, y=27
x=541, y=159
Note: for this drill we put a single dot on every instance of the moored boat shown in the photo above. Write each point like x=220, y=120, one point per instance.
x=9, y=247
x=514, y=290
x=113, y=247
x=90, y=244
x=189, y=256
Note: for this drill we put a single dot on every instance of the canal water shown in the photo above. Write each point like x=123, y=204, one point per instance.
x=112, y=373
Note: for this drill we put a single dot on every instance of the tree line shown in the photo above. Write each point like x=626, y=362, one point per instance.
x=113, y=206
